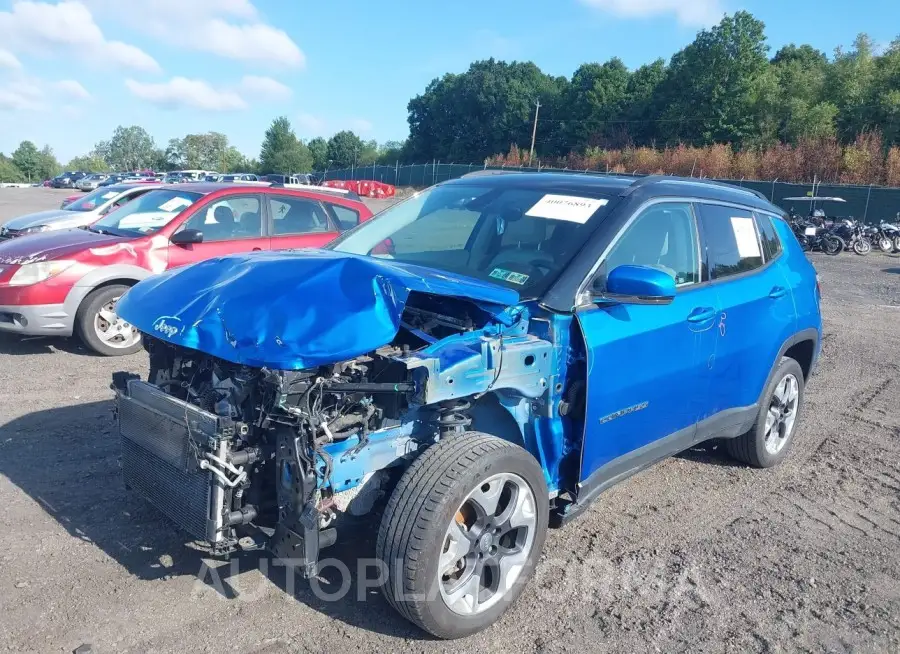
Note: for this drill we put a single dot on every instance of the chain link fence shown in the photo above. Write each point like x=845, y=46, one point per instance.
x=870, y=203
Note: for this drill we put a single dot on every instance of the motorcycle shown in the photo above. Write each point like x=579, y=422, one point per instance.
x=813, y=237
x=891, y=231
x=853, y=235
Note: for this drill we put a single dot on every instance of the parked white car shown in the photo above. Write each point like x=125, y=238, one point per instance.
x=80, y=213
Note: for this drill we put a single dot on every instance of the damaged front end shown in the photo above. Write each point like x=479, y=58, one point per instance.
x=243, y=453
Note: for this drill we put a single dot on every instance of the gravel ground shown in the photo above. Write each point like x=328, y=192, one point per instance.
x=696, y=554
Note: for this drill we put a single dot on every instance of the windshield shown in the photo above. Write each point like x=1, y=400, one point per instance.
x=516, y=237
x=145, y=215
x=93, y=200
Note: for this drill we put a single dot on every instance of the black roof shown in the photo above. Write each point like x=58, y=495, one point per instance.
x=621, y=185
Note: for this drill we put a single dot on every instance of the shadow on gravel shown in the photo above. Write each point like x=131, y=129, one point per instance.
x=710, y=453
x=67, y=460
x=895, y=271
x=31, y=345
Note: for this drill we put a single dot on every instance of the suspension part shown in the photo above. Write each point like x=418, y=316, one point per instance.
x=454, y=417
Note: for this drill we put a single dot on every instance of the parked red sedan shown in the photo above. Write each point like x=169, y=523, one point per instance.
x=67, y=282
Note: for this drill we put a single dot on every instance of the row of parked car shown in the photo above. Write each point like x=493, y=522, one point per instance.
x=83, y=181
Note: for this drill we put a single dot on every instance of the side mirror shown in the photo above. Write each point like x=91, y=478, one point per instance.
x=187, y=237
x=639, y=285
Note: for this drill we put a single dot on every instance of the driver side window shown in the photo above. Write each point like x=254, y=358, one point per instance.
x=662, y=236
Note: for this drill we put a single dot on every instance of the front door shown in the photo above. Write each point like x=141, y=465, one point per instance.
x=648, y=365
x=229, y=225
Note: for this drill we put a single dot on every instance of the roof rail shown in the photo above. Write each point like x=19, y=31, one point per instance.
x=491, y=171
x=652, y=179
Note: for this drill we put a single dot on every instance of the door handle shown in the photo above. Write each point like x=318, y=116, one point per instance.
x=777, y=292
x=257, y=250
x=701, y=314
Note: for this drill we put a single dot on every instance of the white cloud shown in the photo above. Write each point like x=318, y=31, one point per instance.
x=687, y=12
x=180, y=92
x=21, y=93
x=72, y=89
x=67, y=27
x=227, y=28
x=309, y=125
x=265, y=87
x=8, y=60
x=11, y=101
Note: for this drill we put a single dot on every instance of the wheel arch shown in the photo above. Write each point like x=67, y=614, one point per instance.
x=101, y=278
x=802, y=344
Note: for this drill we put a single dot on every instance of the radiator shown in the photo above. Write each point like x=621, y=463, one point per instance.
x=161, y=439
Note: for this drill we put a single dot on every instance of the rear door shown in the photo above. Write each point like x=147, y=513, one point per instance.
x=230, y=224
x=756, y=312
x=296, y=222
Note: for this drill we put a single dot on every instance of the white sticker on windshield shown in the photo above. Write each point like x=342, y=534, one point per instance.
x=109, y=195
x=745, y=235
x=566, y=207
x=174, y=204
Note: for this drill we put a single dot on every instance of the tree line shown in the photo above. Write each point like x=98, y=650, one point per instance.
x=132, y=148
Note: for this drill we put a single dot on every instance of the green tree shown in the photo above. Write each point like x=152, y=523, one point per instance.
x=318, y=149
x=850, y=85
x=639, y=110
x=476, y=114
x=391, y=152
x=27, y=159
x=282, y=152
x=130, y=148
x=89, y=163
x=8, y=171
x=597, y=97
x=344, y=149
x=708, y=94
x=50, y=166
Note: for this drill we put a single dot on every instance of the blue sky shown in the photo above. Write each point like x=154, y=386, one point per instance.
x=71, y=71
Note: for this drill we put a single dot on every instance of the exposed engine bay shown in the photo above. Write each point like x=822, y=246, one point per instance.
x=226, y=450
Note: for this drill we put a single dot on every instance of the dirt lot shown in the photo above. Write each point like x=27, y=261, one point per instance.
x=696, y=554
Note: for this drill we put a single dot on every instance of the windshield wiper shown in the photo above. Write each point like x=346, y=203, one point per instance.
x=100, y=230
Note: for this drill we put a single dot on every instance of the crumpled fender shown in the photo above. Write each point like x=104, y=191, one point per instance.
x=291, y=310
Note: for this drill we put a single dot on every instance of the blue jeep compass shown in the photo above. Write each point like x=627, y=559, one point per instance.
x=473, y=364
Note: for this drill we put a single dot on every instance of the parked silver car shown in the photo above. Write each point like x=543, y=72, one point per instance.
x=80, y=213
x=91, y=182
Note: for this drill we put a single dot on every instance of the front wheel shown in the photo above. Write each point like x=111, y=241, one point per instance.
x=885, y=244
x=101, y=328
x=862, y=247
x=462, y=533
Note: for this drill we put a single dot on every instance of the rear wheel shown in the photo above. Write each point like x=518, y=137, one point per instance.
x=768, y=443
x=897, y=242
x=100, y=327
x=832, y=245
x=462, y=533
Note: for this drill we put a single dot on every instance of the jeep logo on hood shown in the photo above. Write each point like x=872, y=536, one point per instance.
x=168, y=325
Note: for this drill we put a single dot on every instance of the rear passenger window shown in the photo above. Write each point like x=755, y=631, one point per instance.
x=768, y=236
x=732, y=243
x=295, y=215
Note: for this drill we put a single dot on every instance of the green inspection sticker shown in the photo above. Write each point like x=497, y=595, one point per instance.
x=509, y=276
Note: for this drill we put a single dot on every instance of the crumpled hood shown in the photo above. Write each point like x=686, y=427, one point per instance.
x=47, y=218
x=291, y=310
x=44, y=246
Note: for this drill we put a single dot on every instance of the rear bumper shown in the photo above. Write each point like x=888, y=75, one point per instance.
x=37, y=320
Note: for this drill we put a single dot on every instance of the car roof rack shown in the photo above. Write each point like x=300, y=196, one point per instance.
x=693, y=181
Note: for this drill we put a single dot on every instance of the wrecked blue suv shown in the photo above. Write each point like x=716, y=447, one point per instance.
x=486, y=357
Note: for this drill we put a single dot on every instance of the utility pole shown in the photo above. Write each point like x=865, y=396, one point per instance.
x=537, y=109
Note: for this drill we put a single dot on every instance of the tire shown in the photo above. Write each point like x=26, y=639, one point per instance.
x=765, y=446
x=89, y=321
x=885, y=244
x=832, y=245
x=897, y=242
x=434, y=514
x=862, y=247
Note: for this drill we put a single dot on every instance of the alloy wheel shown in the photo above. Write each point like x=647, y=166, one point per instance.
x=487, y=544
x=782, y=414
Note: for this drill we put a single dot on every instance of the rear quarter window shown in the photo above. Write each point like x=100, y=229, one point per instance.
x=771, y=244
